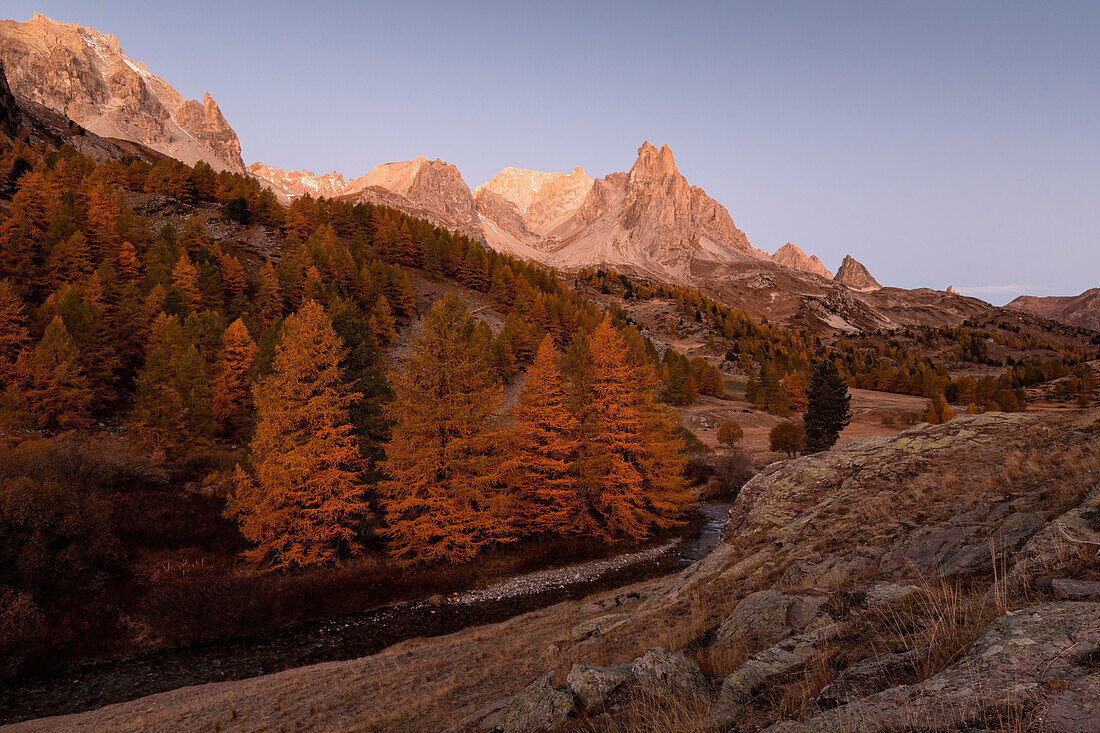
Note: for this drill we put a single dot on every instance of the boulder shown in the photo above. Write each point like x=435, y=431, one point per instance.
x=761, y=619
x=867, y=677
x=1074, y=589
x=667, y=674
x=598, y=626
x=1043, y=656
x=594, y=685
x=539, y=707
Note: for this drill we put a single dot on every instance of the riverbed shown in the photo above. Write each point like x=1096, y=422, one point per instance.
x=348, y=637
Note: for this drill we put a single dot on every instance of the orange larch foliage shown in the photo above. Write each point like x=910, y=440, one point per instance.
x=185, y=278
x=232, y=384
x=54, y=386
x=270, y=302
x=441, y=494
x=631, y=469
x=13, y=331
x=543, y=442
x=303, y=498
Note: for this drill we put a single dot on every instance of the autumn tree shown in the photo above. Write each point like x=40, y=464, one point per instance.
x=787, y=437
x=938, y=411
x=172, y=395
x=13, y=330
x=232, y=398
x=796, y=391
x=631, y=464
x=269, y=300
x=185, y=279
x=542, y=443
x=54, y=385
x=441, y=494
x=827, y=407
x=381, y=322
x=730, y=433
x=301, y=498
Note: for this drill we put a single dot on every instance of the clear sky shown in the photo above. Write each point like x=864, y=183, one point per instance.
x=937, y=142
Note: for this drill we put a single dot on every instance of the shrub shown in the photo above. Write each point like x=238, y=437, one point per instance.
x=732, y=469
x=88, y=463
x=692, y=444
x=730, y=433
x=698, y=468
x=53, y=541
x=787, y=437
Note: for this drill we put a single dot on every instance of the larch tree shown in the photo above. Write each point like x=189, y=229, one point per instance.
x=13, y=331
x=631, y=471
x=269, y=300
x=232, y=387
x=301, y=500
x=381, y=322
x=543, y=440
x=185, y=278
x=441, y=493
x=172, y=396
x=54, y=385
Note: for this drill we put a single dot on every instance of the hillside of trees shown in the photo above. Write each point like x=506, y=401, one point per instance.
x=778, y=360
x=134, y=358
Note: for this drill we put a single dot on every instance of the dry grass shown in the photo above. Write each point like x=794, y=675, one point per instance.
x=642, y=713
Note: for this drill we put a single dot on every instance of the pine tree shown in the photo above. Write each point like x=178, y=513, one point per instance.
x=232, y=403
x=54, y=386
x=827, y=403
x=543, y=441
x=441, y=496
x=172, y=394
x=301, y=501
x=631, y=465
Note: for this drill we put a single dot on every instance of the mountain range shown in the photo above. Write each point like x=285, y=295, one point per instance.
x=648, y=222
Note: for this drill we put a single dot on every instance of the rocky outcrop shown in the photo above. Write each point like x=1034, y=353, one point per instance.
x=1073, y=310
x=84, y=75
x=540, y=707
x=855, y=276
x=791, y=256
x=35, y=124
x=1041, y=657
x=769, y=616
x=594, y=685
x=664, y=674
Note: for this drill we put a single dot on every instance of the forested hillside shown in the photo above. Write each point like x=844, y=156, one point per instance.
x=135, y=356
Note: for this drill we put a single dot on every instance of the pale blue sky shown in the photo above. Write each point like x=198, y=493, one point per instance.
x=937, y=142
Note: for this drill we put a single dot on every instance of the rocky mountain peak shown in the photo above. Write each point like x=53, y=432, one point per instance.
x=790, y=255
x=542, y=199
x=85, y=75
x=652, y=162
x=855, y=276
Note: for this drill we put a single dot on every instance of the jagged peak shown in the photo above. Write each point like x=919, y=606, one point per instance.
x=652, y=159
x=853, y=274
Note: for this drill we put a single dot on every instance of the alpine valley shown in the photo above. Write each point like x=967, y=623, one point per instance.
x=281, y=450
